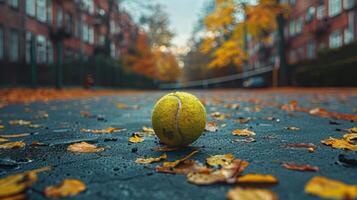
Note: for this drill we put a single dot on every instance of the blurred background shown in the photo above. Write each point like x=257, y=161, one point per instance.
x=172, y=44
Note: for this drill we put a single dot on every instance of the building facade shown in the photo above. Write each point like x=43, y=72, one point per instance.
x=32, y=30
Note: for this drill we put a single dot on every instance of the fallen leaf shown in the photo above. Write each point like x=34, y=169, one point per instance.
x=35, y=126
x=148, y=130
x=339, y=144
x=250, y=194
x=227, y=174
x=151, y=160
x=327, y=188
x=293, y=166
x=15, y=135
x=350, y=137
x=3, y=140
x=37, y=143
x=234, y=106
x=353, y=130
x=84, y=147
x=257, y=179
x=86, y=114
x=243, y=120
x=122, y=105
x=218, y=115
x=243, y=132
x=184, y=167
x=211, y=126
x=136, y=138
x=292, y=128
x=220, y=160
x=309, y=146
x=176, y=162
x=247, y=140
x=19, y=122
x=13, y=145
x=67, y=188
x=102, y=131
x=14, y=185
x=42, y=115
x=165, y=149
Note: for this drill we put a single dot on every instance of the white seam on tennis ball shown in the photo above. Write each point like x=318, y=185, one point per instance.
x=177, y=118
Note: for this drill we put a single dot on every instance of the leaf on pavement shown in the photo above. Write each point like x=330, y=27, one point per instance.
x=148, y=129
x=20, y=122
x=12, y=186
x=227, y=174
x=327, y=188
x=218, y=115
x=220, y=160
x=3, y=140
x=68, y=187
x=257, y=179
x=353, y=130
x=176, y=162
x=136, y=138
x=42, y=115
x=339, y=144
x=233, y=106
x=211, y=126
x=293, y=166
x=165, y=149
x=243, y=132
x=184, y=167
x=102, y=131
x=15, y=135
x=309, y=146
x=122, y=106
x=292, y=128
x=13, y=145
x=86, y=114
x=243, y=120
x=239, y=193
x=247, y=140
x=151, y=160
x=84, y=147
x=350, y=137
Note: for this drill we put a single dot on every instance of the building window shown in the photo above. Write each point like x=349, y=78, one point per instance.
x=311, y=48
x=320, y=11
x=59, y=18
x=14, y=3
x=310, y=14
x=348, y=36
x=1, y=43
x=14, y=46
x=348, y=4
x=334, y=7
x=85, y=33
x=30, y=7
x=349, y=31
x=292, y=27
x=91, y=35
x=335, y=39
x=292, y=2
x=68, y=22
x=299, y=24
x=49, y=11
x=50, y=52
x=28, y=47
x=41, y=10
x=41, y=49
x=88, y=5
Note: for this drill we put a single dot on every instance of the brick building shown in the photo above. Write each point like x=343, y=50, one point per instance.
x=313, y=26
x=31, y=30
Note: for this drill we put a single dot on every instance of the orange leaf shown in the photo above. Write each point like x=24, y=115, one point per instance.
x=84, y=147
x=68, y=187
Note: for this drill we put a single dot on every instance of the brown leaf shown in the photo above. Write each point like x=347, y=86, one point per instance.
x=220, y=160
x=136, y=138
x=257, y=179
x=211, y=126
x=19, y=122
x=292, y=128
x=14, y=185
x=218, y=115
x=184, y=167
x=244, y=120
x=239, y=193
x=86, y=114
x=175, y=163
x=247, y=140
x=102, y=131
x=293, y=166
x=339, y=144
x=67, y=188
x=13, y=145
x=243, y=132
x=350, y=137
x=84, y=147
x=309, y=146
x=151, y=160
x=332, y=189
x=15, y=135
x=234, y=106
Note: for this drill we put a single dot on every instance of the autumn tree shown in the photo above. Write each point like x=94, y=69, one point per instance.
x=225, y=31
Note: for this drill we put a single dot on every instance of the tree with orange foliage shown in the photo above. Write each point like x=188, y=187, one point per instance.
x=224, y=38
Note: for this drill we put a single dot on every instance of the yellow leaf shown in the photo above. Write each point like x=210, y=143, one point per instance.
x=251, y=194
x=122, y=106
x=151, y=160
x=84, y=147
x=147, y=129
x=328, y=188
x=258, y=179
x=15, y=135
x=220, y=160
x=350, y=137
x=292, y=128
x=3, y=140
x=68, y=187
x=15, y=184
x=13, y=145
x=2, y=126
x=136, y=138
x=20, y=122
x=175, y=163
x=102, y=131
x=339, y=144
x=243, y=132
x=353, y=130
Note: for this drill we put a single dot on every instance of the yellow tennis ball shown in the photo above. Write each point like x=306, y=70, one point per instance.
x=178, y=119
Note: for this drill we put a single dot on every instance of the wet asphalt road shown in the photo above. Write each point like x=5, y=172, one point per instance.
x=112, y=174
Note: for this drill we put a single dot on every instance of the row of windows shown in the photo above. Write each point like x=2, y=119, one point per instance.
x=13, y=45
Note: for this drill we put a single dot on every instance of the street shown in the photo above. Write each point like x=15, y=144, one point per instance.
x=278, y=117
